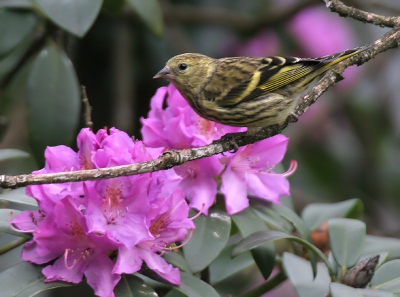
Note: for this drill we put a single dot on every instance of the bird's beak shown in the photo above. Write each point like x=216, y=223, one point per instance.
x=164, y=73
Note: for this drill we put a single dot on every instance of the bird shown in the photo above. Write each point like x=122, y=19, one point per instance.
x=250, y=92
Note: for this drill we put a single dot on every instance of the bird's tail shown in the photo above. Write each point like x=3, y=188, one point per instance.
x=331, y=60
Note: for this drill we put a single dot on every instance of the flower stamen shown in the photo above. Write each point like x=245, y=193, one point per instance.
x=291, y=170
x=170, y=249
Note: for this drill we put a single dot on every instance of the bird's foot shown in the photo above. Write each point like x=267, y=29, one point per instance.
x=231, y=138
x=294, y=117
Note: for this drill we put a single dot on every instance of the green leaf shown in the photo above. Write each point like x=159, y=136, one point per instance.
x=300, y=273
x=150, y=13
x=375, y=293
x=19, y=197
x=113, y=7
x=376, y=244
x=249, y=222
x=347, y=238
x=387, y=277
x=17, y=165
x=225, y=267
x=25, y=279
x=261, y=237
x=294, y=219
x=10, y=154
x=53, y=100
x=315, y=214
x=209, y=238
x=16, y=4
x=300, y=226
x=174, y=293
x=274, y=222
x=15, y=26
x=8, y=62
x=193, y=287
x=132, y=286
x=14, y=162
x=340, y=290
x=176, y=259
x=5, y=222
x=75, y=16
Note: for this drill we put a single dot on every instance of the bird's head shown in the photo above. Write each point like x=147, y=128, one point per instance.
x=188, y=72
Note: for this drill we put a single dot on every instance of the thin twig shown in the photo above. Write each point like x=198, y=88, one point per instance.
x=360, y=15
x=87, y=114
x=177, y=157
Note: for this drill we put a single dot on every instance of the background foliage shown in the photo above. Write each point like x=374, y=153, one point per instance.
x=347, y=144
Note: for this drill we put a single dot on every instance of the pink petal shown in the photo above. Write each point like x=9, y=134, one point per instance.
x=269, y=151
x=29, y=254
x=200, y=192
x=58, y=271
x=128, y=261
x=68, y=162
x=153, y=132
x=234, y=189
x=269, y=186
x=161, y=267
x=100, y=277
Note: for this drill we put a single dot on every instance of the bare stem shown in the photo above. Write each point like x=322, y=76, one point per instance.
x=87, y=108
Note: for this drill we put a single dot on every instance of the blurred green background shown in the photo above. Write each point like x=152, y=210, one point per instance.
x=347, y=144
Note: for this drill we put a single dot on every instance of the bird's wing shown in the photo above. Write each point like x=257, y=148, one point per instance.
x=273, y=74
x=249, y=78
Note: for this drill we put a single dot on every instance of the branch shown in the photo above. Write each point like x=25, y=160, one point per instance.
x=360, y=15
x=173, y=158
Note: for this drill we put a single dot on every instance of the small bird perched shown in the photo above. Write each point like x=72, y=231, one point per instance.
x=246, y=91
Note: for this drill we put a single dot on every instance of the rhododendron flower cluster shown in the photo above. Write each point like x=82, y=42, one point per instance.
x=249, y=170
x=80, y=225
x=101, y=229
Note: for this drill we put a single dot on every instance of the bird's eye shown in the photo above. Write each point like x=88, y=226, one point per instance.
x=182, y=66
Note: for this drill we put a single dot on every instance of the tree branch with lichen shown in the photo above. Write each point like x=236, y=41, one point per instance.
x=360, y=15
x=173, y=158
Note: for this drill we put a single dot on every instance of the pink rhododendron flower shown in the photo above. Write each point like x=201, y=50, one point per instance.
x=112, y=210
x=167, y=221
x=250, y=171
x=79, y=225
x=63, y=235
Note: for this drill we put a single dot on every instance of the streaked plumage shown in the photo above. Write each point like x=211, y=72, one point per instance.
x=245, y=91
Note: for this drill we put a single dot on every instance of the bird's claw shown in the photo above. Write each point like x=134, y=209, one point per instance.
x=294, y=117
x=231, y=139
